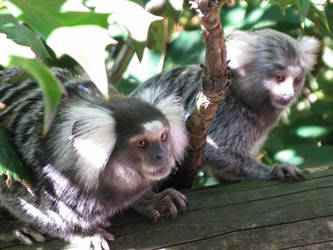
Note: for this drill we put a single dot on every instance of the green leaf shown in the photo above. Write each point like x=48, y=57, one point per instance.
x=283, y=4
x=132, y=16
x=91, y=58
x=187, y=48
x=303, y=8
x=9, y=47
x=311, y=131
x=319, y=8
x=156, y=37
x=139, y=2
x=49, y=84
x=21, y=34
x=309, y=156
x=10, y=164
x=176, y=4
x=151, y=64
x=22, y=56
x=69, y=28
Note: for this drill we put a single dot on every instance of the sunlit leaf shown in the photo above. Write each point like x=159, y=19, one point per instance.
x=9, y=47
x=10, y=164
x=303, y=8
x=21, y=34
x=69, y=28
x=328, y=56
x=150, y=65
x=135, y=19
x=289, y=156
x=89, y=51
x=308, y=156
x=49, y=84
x=22, y=56
x=311, y=131
x=284, y=3
x=176, y=4
x=319, y=8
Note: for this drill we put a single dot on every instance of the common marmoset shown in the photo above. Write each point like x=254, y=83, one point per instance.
x=268, y=69
x=97, y=158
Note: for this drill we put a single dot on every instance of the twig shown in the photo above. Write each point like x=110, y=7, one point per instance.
x=120, y=64
x=215, y=80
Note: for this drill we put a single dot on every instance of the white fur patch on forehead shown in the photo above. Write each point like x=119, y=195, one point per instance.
x=294, y=70
x=154, y=128
x=171, y=106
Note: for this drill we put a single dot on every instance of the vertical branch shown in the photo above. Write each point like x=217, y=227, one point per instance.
x=214, y=82
x=123, y=59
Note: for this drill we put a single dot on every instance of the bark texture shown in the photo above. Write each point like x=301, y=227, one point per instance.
x=214, y=83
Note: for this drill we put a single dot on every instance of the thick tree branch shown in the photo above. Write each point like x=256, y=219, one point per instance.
x=215, y=80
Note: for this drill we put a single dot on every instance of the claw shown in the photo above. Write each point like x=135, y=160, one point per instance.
x=37, y=236
x=98, y=241
x=106, y=224
x=283, y=171
x=23, y=238
x=106, y=234
x=27, y=236
x=169, y=202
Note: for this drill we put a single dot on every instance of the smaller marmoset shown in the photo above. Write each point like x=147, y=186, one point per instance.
x=97, y=158
x=269, y=70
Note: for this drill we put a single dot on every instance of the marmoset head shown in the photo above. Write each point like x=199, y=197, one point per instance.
x=144, y=148
x=270, y=66
x=129, y=143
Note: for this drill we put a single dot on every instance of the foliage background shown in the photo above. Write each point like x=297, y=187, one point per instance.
x=141, y=44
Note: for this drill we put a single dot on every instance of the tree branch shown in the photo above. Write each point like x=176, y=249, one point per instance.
x=120, y=64
x=215, y=80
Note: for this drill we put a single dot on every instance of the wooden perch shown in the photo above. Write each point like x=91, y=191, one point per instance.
x=245, y=215
x=214, y=82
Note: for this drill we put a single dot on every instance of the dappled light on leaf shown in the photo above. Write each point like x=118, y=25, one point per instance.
x=9, y=48
x=22, y=56
x=21, y=34
x=49, y=84
x=307, y=156
x=328, y=56
x=135, y=19
x=91, y=58
x=311, y=131
x=289, y=156
x=81, y=35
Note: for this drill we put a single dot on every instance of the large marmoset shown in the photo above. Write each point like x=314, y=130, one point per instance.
x=97, y=158
x=268, y=69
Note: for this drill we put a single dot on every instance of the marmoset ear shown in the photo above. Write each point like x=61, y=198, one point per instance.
x=310, y=47
x=93, y=139
x=240, y=49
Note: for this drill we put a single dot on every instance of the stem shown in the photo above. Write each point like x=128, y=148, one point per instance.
x=120, y=64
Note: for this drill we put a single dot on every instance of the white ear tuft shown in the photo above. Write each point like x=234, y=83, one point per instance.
x=310, y=47
x=94, y=139
x=239, y=49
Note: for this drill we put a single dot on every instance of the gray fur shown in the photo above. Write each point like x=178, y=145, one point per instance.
x=87, y=167
x=254, y=100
